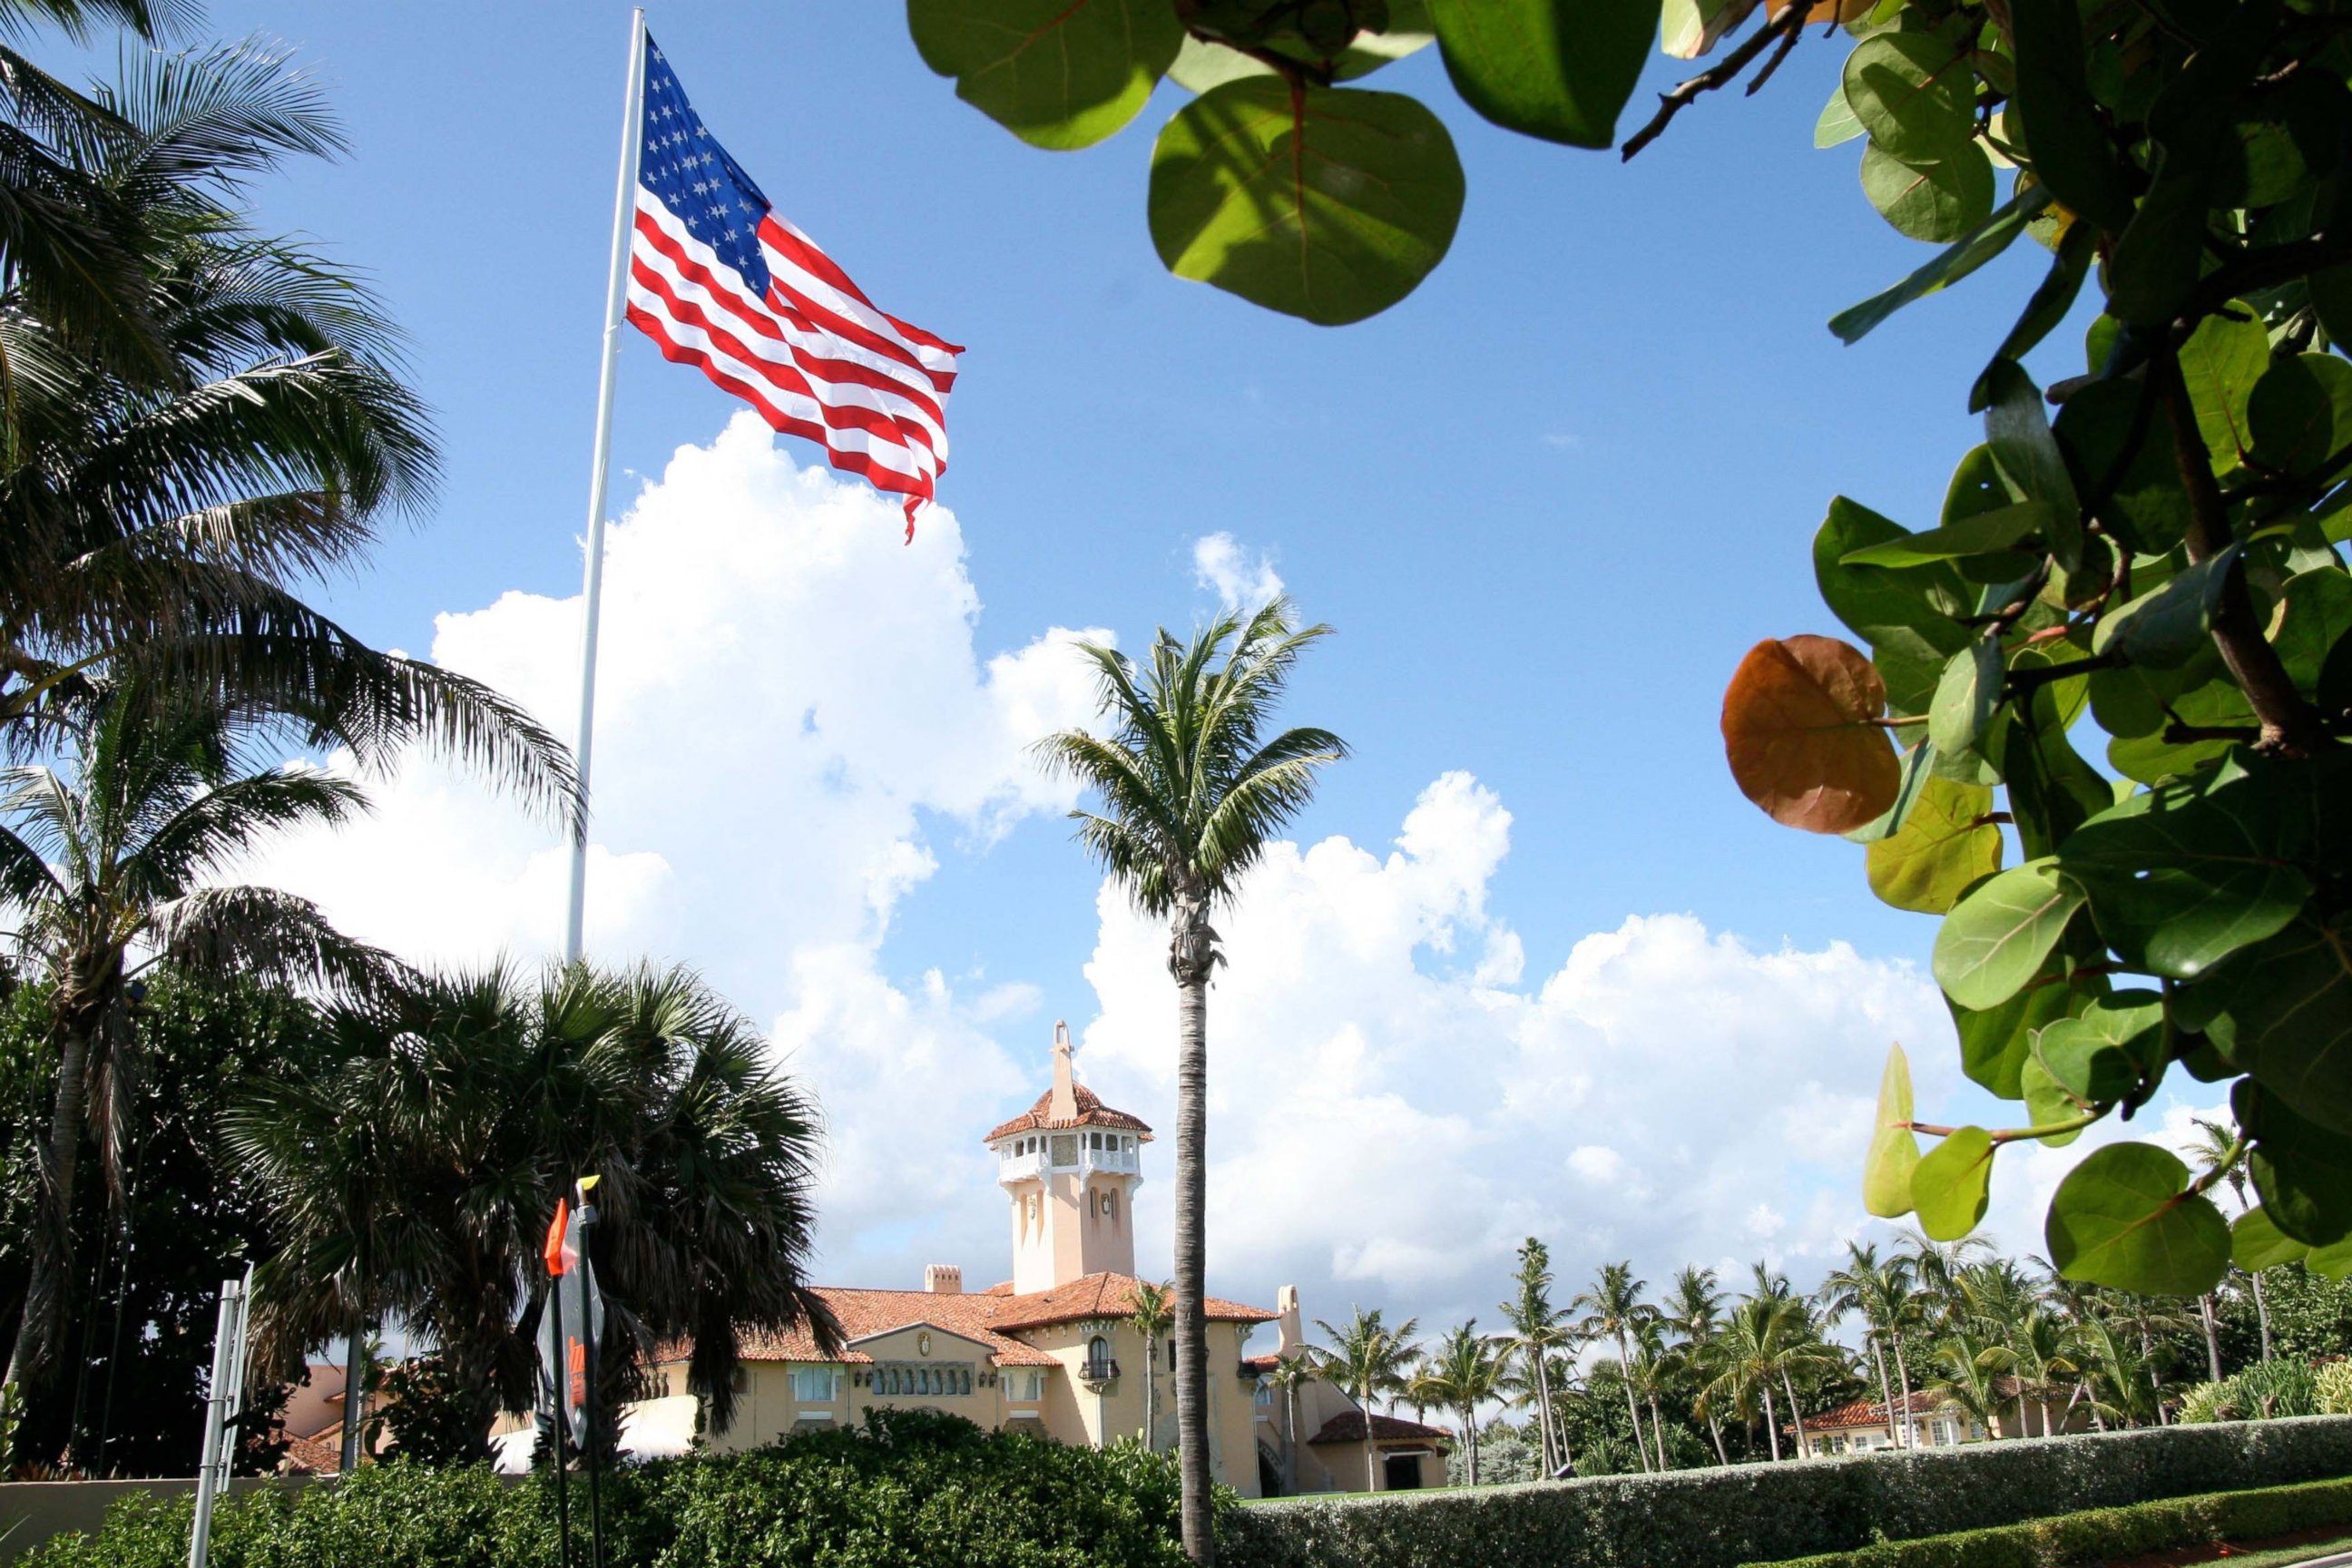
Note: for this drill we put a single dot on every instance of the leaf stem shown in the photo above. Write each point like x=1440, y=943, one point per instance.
x=2012, y=1134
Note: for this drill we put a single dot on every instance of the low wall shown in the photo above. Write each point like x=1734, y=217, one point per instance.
x=1720, y=1518
x=33, y=1511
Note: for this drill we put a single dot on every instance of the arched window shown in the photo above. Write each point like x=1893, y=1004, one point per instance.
x=1098, y=1358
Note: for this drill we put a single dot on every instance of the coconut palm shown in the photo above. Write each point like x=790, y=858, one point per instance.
x=1288, y=1376
x=1648, y=1375
x=159, y=525
x=1460, y=1374
x=1612, y=1306
x=492, y=1093
x=2217, y=1148
x=1367, y=1359
x=1538, y=1331
x=110, y=861
x=1694, y=1309
x=1963, y=1379
x=1192, y=788
x=1748, y=1362
x=1936, y=1267
x=2046, y=1364
x=1878, y=1290
x=1151, y=1313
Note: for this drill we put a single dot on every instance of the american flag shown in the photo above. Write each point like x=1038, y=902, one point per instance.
x=718, y=280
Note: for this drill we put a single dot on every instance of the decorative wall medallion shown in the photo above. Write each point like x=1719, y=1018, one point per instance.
x=923, y=1344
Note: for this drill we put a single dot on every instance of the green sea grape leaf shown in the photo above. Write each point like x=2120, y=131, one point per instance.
x=1330, y=205
x=1981, y=245
x=2125, y=1218
x=2222, y=362
x=2302, y=1171
x=1949, y=1188
x=2048, y=1103
x=2282, y=1011
x=1938, y=201
x=2165, y=630
x=1982, y=534
x=1893, y=1147
x=1558, y=69
x=1943, y=846
x=1995, y=939
x=2318, y=616
x=1056, y=74
x=2256, y=1243
x=1914, y=95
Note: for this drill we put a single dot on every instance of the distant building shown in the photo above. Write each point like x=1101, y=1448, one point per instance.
x=1053, y=1348
x=1864, y=1425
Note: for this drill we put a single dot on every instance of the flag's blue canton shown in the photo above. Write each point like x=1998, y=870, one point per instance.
x=707, y=190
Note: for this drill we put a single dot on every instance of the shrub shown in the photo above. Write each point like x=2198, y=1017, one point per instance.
x=2108, y=1534
x=2334, y=1388
x=910, y=1488
x=2265, y=1390
x=1760, y=1513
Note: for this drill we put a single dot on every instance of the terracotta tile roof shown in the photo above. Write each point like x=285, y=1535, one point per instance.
x=1347, y=1426
x=1861, y=1414
x=1092, y=1112
x=865, y=1313
x=319, y=1454
x=1101, y=1296
x=1257, y=1364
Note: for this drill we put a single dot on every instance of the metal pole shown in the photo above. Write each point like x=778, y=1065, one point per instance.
x=559, y=1378
x=225, y=1354
x=590, y=1335
x=624, y=203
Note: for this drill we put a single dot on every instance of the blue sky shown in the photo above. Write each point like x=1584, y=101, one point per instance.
x=1548, y=502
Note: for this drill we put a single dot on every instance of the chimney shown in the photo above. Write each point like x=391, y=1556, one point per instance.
x=943, y=1278
x=1065, y=1104
x=1288, y=1340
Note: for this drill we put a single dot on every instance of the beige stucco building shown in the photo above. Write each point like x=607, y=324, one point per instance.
x=1052, y=1349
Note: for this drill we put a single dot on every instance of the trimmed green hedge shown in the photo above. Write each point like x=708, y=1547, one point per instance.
x=910, y=1490
x=2109, y=1533
x=1763, y=1513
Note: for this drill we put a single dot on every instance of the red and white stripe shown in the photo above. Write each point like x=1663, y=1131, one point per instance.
x=815, y=357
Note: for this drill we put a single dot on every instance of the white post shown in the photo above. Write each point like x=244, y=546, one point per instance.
x=224, y=1400
x=624, y=203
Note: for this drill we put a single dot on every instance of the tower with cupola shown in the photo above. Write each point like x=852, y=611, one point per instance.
x=1070, y=1164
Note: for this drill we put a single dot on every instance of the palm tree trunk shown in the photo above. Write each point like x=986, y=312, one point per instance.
x=1796, y=1412
x=1291, y=1401
x=1771, y=1422
x=355, y=1394
x=1543, y=1413
x=2212, y=1344
x=1633, y=1411
x=1886, y=1392
x=1903, y=1375
x=37, y=1330
x=1151, y=1380
x=1658, y=1434
x=1192, y=954
x=1470, y=1436
x=1371, y=1466
x=2263, y=1314
x=1714, y=1430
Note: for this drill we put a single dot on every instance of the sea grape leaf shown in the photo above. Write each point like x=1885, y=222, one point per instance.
x=2163, y=630
x=1996, y=938
x=2222, y=362
x=2318, y=616
x=1798, y=732
x=2282, y=1011
x=1950, y=1186
x=1987, y=240
x=2256, y=1243
x=1913, y=93
x=2124, y=1218
x=1558, y=69
x=2300, y=413
x=1893, y=1147
x=2049, y=1103
x=1328, y=204
x=2118, y=443
x=2016, y=428
x=1995, y=1042
x=1905, y=613
x=1966, y=697
x=1981, y=533
x=1057, y=75
x=2059, y=118
x=1943, y=846
x=2302, y=1171
x=1938, y=201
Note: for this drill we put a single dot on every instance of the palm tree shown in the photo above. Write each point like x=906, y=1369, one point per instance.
x=1963, y=1379
x=1694, y=1310
x=110, y=856
x=1612, y=1306
x=1537, y=1331
x=1367, y=1359
x=1462, y=1373
x=1651, y=1369
x=1748, y=1359
x=1935, y=1270
x=490, y=1094
x=159, y=524
x=1290, y=1373
x=2217, y=1150
x=1879, y=1289
x=1151, y=1314
x=2045, y=1350
x=1193, y=789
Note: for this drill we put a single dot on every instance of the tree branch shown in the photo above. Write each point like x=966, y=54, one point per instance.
x=1791, y=20
x=2291, y=726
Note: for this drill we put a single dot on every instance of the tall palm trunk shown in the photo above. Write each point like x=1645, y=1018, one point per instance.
x=1903, y=1376
x=1192, y=954
x=1887, y=1391
x=1291, y=1400
x=1796, y=1412
x=1543, y=1413
x=38, y=1329
x=1714, y=1430
x=1470, y=1436
x=2212, y=1343
x=1371, y=1458
x=1150, y=1383
x=355, y=1367
x=1771, y=1422
x=2263, y=1314
x=1658, y=1434
x=1633, y=1411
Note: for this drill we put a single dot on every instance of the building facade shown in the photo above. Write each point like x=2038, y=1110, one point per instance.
x=1053, y=1350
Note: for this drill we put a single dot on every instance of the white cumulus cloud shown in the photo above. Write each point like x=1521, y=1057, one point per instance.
x=1243, y=578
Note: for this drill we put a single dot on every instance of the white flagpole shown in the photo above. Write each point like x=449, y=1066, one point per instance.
x=625, y=204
